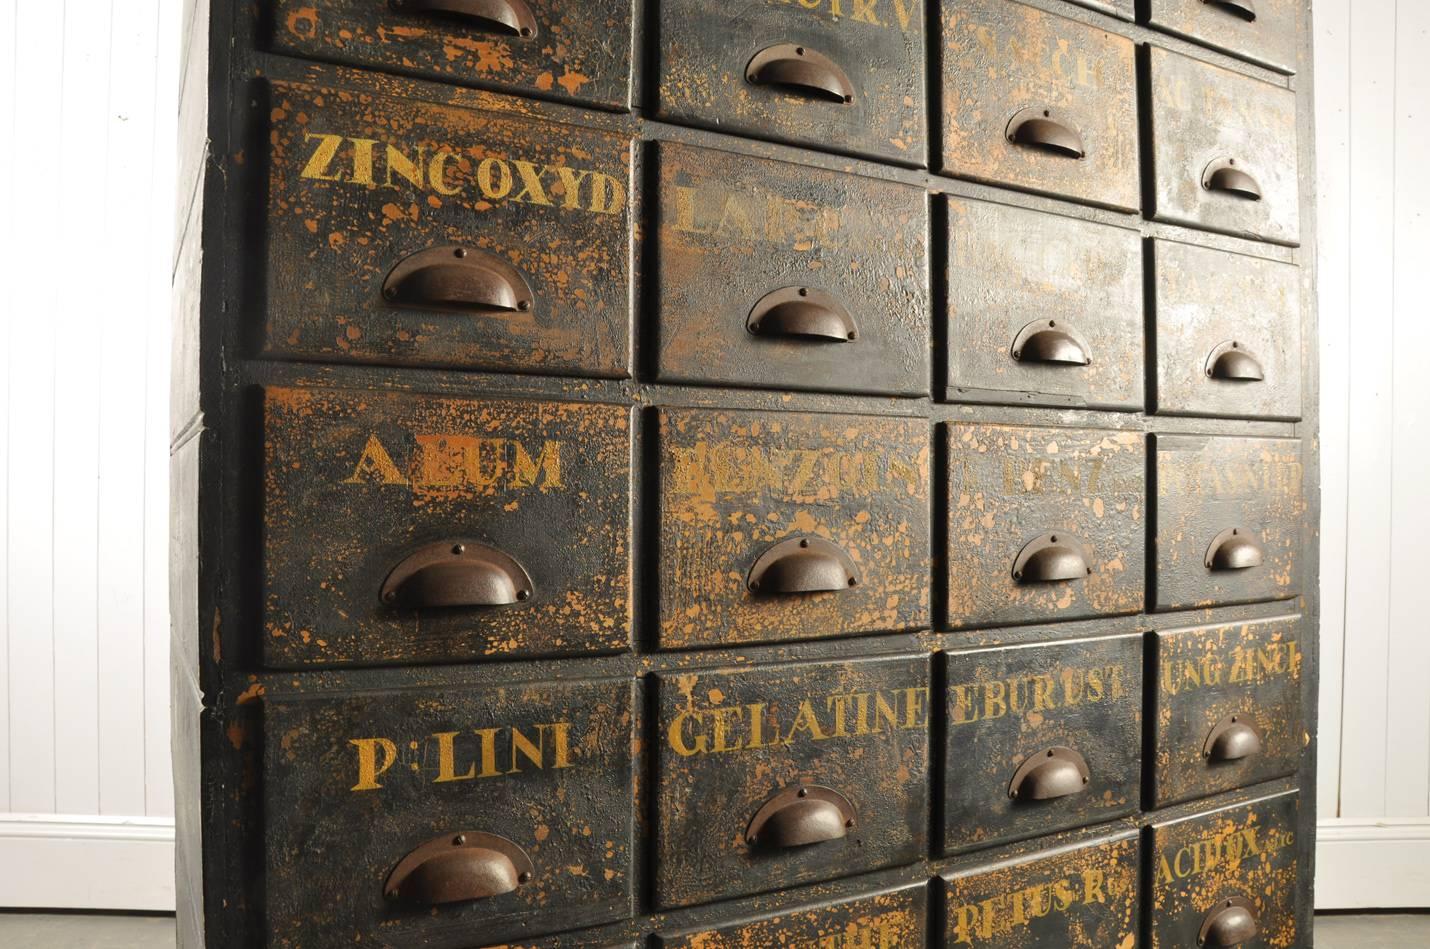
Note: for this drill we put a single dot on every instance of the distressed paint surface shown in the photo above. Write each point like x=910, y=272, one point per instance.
x=1209, y=297
x=733, y=484
x=1247, y=851
x=569, y=941
x=1251, y=670
x=1010, y=485
x=1272, y=39
x=1000, y=58
x=729, y=740
x=359, y=182
x=581, y=51
x=732, y=229
x=1203, y=114
x=892, y=920
x=1009, y=267
x=1118, y=8
x=355, y=481
x=704, y=50
x=337, y=822
x=1085, y=897
x=1209, y=484
x=1006, y=705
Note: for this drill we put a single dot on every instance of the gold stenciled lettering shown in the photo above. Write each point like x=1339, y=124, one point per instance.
x=458, y=460
x=1241, y=665
x=727, y=729
x=480, y=753
x=862, y=11
x=1006, y=912
x=725, y=468
x=1225, y=849
x=1021, y=695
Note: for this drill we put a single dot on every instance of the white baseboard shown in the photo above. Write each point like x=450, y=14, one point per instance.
x=56, y=862
x=1373, y=864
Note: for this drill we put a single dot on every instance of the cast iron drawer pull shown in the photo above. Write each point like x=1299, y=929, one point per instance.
x=1234, y=549
x=802, y=565
x=458, y=868
x=1225, y=177
x=1232, y=363
x=508, y=17
x=801, y=70
x=1229, y=923
x=801, y=816
x=802, y=313
x=1237, y=8
x=457, y=278
x=454, y=573
x=1038, y=128
x=1052, y=342
x=1057, y=772
x=1232, y=739
x=1052, y=558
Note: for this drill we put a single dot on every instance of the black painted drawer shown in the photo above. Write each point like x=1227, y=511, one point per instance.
x=777, y=776
x=414, y=234
x=1228, y=707
x=573, y=50
x=1043, y=310
x=781, y=526
x=780, y=276
x=1228, y=334
x=893, y=919
x=520, y=795
x=843, y=75
x=1223, y=150
x=1263, y=31
x=1044, y=524
x=1039, y=102
x=1227, y=527
x=407, y=528
x=1041, y=738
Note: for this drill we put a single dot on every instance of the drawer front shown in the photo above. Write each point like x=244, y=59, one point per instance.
x=1084, y=897
x=368, y=497
x=414, y=234
x=1041, y=738
x=1044, y=524
x=891, y=920
x=1219, y=139
x=779, y=526
x=354, y=786
x=1228, y=334
x=775, y=275
x=775, y=777
x=1043, y=310
x=572, y=50
x=1270, y=36
x=1215, y=874
x=1039, y=102
x=1228, y=520
x=1228, y=707
x=835, y=74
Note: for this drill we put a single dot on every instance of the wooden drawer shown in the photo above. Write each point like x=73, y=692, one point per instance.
x=1223, y=150
x=777, y=776
x=889, y=920
x=779, y=276
x=1263, y=31
x=783, y=526
x=414, y=234
x=428, y=817
x=1228, y=707
x=407, y=528
x=1041, y=738
x=1039, y=102
x=573, y=50
x=1228, y=521
x=1228, y=334
x=1044, y=524
x=1226, y=878
x=849, y=80
x=1043, y=310
x=1084, y=897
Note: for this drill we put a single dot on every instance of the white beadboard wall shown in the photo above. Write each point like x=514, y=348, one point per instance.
x=88, y=92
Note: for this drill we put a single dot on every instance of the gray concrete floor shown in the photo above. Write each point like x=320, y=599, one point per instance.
x=34, y=931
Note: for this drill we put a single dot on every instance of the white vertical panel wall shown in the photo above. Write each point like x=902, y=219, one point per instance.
x=88, y=92
x=1373, y=141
